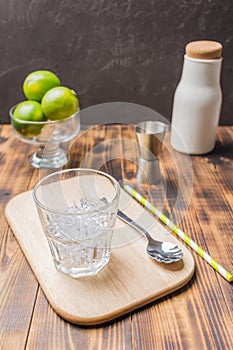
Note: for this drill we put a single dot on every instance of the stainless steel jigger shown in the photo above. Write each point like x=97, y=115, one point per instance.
x=150, y=136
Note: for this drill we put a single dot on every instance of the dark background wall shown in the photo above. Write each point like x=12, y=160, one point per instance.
x=125, y=50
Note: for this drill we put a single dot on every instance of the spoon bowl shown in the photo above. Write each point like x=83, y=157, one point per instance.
x=165, y=252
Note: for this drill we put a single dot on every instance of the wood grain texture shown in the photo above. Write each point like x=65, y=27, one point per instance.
x=13, y=268
x=197, y=316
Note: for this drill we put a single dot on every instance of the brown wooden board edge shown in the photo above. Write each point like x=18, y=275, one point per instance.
x=118, y=314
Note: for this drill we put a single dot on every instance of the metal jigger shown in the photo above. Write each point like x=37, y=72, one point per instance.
x=150, y=136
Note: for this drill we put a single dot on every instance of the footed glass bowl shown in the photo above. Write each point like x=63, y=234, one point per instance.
x=51, y=138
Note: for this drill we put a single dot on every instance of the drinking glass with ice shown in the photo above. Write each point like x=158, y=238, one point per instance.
x=77, y=210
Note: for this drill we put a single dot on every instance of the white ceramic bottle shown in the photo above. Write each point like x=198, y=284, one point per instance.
x=198, y=99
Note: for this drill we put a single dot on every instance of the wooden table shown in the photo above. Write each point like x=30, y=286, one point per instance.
x=198, y=316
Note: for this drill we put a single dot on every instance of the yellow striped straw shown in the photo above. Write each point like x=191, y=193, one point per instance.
x=212, y=262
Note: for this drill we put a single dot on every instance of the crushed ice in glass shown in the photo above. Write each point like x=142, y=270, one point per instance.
x=81, y=225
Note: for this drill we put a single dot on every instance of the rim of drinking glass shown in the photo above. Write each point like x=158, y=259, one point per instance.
x=41, y=205
x=45, y=122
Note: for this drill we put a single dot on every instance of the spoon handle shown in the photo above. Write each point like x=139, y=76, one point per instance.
x=133, y=223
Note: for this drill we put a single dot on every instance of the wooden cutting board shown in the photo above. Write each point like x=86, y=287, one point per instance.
x=129, y=281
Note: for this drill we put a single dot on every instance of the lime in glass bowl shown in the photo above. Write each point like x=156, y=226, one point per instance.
x=51, y=137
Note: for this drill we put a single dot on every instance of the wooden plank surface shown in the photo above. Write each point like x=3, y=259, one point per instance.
x=200, y=315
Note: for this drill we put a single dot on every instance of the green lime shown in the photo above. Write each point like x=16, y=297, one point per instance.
x=38, y=83
x=29, y=111
x=59, y=103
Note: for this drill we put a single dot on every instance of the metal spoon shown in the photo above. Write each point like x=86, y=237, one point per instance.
x=161, y=251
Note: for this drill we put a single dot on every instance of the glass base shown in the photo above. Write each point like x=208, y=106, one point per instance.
x=76, y=272
x=51, y=156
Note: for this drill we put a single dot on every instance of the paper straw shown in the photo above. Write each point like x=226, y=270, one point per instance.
x=212, y=262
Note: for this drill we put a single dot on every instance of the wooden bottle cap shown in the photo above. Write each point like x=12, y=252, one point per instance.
x=203, y=49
